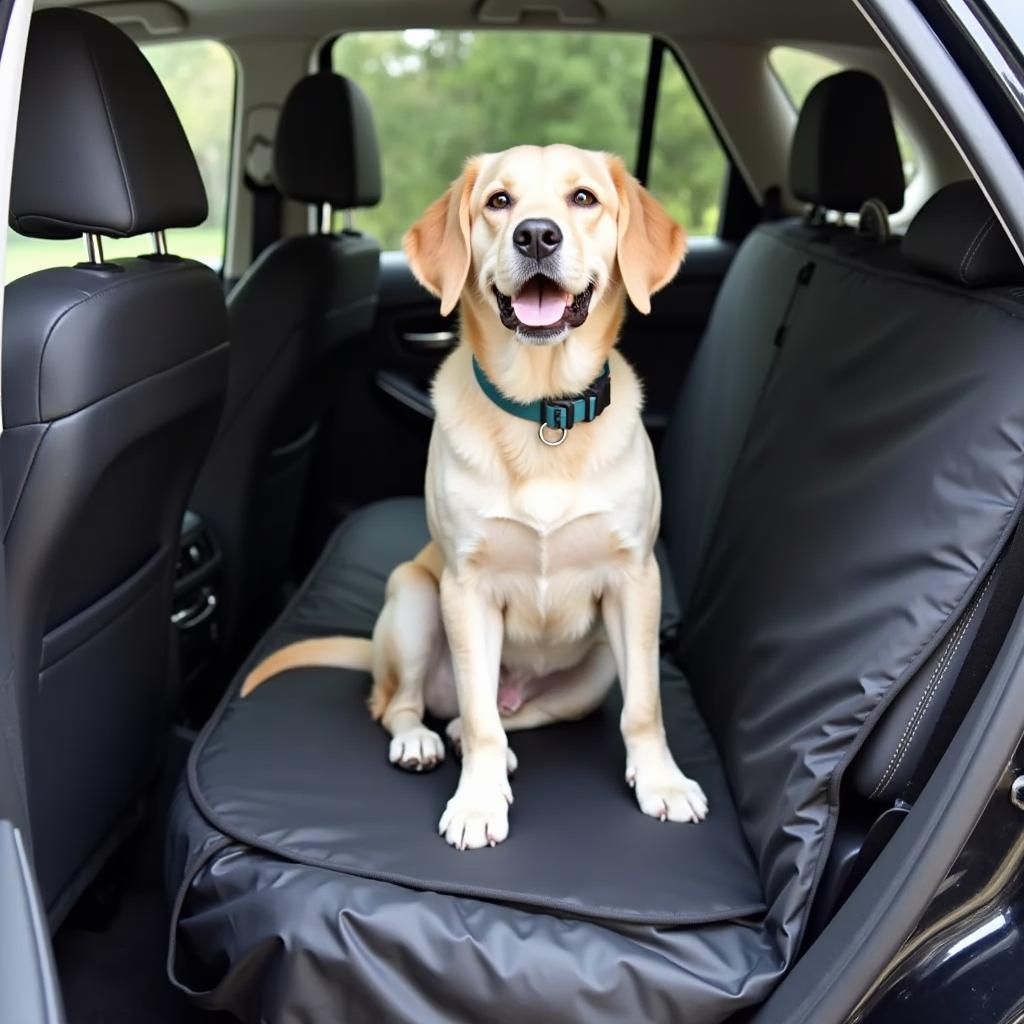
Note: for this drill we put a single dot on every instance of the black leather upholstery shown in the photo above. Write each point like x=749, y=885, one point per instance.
x=326, y=149
x=99, y=147
x=871, y=472
x=290, y=316
x=957, y=237
x=845, y=148
x=113, y=378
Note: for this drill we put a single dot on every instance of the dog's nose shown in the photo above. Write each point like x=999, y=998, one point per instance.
x=537, y=238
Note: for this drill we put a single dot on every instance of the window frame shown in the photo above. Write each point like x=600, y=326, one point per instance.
x=734, y=185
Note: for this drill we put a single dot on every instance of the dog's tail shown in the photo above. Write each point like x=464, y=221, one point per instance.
x=322, y=652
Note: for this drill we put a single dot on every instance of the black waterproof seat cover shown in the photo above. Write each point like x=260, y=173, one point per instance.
x=263, y=809
x=874, y=478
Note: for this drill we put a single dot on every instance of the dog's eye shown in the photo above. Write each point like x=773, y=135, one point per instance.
x=584, y=197
x=499, y=201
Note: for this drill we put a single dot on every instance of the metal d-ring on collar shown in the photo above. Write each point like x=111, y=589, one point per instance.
x=553, y=413
x=551, y=444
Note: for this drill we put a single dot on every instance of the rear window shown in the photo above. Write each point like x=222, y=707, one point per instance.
x=799, y=71
x=441, y=96
x=199, y=76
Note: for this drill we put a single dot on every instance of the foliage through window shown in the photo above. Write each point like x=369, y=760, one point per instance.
x=799, y=71
x=199, y=76
x=441, y=96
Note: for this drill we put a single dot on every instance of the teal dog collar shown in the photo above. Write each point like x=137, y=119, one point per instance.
x=553, y=413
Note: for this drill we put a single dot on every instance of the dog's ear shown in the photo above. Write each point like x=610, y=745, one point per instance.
x=651, y=244
x=437, y=245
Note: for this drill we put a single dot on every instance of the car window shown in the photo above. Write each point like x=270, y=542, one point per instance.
x=799, y=71
x=688, y=167
x=440, y=96
x=199, y=76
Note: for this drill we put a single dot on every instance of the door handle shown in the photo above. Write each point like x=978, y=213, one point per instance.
x=189, y=618
x=430, y=341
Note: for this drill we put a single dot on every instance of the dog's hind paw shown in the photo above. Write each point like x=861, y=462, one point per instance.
x=416, y=750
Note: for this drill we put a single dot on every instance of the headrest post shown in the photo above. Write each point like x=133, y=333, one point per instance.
x=348, y=222
x=159, y=243
x=326, y=218
x=93, y=247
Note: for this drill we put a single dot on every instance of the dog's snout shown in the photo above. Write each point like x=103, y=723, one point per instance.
x=537, y=238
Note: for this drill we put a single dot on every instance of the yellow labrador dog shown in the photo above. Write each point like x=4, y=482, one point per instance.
x=540, y=584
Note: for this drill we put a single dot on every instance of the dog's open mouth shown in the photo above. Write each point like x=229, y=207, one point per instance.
x=542, y=309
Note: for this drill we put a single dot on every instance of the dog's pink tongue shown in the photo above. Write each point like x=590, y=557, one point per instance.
x=540, y=303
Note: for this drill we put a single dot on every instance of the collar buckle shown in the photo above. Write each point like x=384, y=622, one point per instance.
x=565, y=413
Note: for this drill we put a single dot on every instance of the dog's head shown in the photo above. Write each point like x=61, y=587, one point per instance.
x=540, y=236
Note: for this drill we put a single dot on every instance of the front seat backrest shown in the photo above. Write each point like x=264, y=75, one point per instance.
x=290, y=316
x=113, y=377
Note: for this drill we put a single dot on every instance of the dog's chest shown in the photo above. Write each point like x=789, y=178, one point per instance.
x=547, y=558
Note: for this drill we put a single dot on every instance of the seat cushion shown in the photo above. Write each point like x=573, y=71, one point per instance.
x=295, y=842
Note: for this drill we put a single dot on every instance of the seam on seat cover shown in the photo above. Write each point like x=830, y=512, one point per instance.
x=974, y=247
x=934, y=684
x=600, y=914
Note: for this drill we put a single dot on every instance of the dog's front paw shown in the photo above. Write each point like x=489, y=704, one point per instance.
x=416, y=750
x=476, y=816
x=664, y=792
x=454, y=731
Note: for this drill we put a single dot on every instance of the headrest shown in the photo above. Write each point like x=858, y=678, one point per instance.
x=99, y=147
x=956, y=236
x=845, y=149
x=325, y=150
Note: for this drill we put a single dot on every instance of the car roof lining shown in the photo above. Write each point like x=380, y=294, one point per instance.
x=835, y=21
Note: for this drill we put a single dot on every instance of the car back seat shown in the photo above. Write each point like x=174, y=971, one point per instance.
x=865, y=474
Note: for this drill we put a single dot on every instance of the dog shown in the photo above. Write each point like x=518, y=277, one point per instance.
x=539, y=586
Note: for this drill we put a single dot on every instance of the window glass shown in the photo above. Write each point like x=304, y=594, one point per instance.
x=687, y=169
x=440, y=96
x=799, y=71
x=199, y=76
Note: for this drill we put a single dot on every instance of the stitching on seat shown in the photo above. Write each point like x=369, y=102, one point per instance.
x=972, y=249
x=933, y=687
x=16, y=503
x=114, y=138
x=890, y=767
